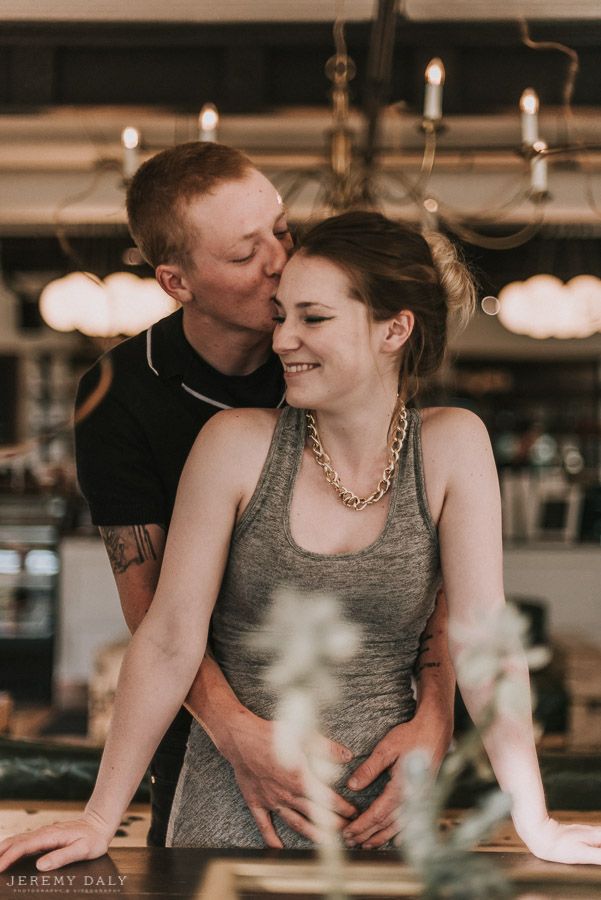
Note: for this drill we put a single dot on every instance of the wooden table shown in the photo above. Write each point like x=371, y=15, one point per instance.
x=142, y=873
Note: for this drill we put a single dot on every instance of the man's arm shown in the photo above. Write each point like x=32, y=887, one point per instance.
x=430, y=731
x=136, y=553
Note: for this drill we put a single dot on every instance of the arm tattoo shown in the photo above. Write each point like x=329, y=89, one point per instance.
x=419, y=664
x=127, y=545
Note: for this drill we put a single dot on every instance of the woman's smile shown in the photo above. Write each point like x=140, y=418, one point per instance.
x=298, y=368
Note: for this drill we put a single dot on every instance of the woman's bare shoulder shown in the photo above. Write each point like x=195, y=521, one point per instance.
x=238, y=439
x=234, y=423
x=453, y=433
x=453, y=422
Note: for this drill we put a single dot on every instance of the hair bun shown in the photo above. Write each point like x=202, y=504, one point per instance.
x=455, y=278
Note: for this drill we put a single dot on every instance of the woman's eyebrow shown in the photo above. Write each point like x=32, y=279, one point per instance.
x=303, y=304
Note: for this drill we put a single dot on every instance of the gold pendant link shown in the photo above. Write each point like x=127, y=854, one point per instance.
x=351, y=500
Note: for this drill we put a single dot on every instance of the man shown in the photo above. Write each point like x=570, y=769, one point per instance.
x=214, y=229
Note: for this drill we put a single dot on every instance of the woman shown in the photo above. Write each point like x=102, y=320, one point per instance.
x=362, y=314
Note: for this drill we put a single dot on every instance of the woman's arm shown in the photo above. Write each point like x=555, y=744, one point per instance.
x=163, y=655
x=471, y=555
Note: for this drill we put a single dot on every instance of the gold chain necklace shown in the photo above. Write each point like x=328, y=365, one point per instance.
x=322, y=459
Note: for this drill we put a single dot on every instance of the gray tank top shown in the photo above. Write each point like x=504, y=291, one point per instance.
x=387, y=589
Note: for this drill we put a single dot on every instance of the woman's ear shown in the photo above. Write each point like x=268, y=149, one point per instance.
x=397, y=331
x=174, y=282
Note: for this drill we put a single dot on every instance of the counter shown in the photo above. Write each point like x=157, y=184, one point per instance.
x=141, y=873
x=161, y=874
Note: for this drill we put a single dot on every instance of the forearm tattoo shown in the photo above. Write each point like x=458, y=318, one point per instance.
x=423, y=662
x=127, y=545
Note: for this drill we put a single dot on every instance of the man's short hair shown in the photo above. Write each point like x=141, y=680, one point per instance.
x=166, y=184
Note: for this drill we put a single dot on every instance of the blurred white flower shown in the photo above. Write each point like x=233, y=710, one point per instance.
x=307, y=638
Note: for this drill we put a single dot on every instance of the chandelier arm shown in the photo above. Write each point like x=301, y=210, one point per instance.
x=293, y=175
x=488, y=217
x=410, y=187
x=427, y=166
x=489, y=242
x=386, y=194
x=571, y=75
x=588, y=193
x=569, y=149
x=414, y=189
x=379, y=71
x=296, y=181
x=59, y=226
x=321, y=198
x=573, y=68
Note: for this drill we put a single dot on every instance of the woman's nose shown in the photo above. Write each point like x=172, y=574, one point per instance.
x=285, y=338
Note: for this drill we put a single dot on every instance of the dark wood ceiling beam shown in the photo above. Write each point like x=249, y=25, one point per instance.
x=255, y=66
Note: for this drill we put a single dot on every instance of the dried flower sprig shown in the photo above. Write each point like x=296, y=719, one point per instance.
x=308, y=639
x=445, y=865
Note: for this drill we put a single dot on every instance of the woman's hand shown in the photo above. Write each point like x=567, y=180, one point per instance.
x=564, y=843
x=85, y=838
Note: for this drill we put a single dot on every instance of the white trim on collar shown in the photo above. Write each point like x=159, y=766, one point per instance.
x=149, y=350
x=206, y=399
x=194, y=393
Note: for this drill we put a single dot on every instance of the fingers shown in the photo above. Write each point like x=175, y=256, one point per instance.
x=333, y=801
x=381, y=758
x=14, y=848
x=79, y=849
x=570, y=844
x=47, y=838
x=320, y=815
x=380, y=818
x=290, y=791
x=265, y=826
x=304, y=826
x=580, y=844
x=586, y=854
x=298, y=823
x=68, y=843
x=330, y=750
x=379, y=838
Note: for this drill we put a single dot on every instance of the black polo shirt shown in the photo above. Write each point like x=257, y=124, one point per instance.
x=131, y=448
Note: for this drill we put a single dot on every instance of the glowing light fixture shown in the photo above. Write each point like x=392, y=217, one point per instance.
x=546, y=307
x=121, y=304
x=130, y=141
x=435, y=76
x=529, y=106
x=208, y=120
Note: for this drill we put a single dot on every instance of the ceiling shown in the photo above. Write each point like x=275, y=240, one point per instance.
x=67, y=89
x=283, y=11
x=73, y=74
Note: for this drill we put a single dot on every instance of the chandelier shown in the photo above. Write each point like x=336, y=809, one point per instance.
x=353, y=176
x=541, y=307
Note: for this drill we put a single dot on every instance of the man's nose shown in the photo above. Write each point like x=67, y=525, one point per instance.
x=280, y=250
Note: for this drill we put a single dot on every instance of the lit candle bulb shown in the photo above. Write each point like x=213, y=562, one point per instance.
x=208, y=121
x=529, y=108
x=538, y=169
x=130, y=141
x=433, y=93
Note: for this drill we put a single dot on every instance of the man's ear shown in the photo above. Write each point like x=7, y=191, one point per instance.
x=397, y=331
x=174, y=282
